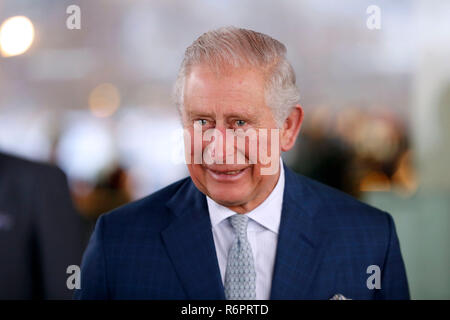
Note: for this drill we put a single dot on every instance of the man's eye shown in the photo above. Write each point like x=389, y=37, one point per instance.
x=240, y=123
x=202, y=122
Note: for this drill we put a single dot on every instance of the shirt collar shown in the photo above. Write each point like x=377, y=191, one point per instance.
x=267, y=214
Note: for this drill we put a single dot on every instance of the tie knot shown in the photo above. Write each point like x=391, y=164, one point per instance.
x=239, y=223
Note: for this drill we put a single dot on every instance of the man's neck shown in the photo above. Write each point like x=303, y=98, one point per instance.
x=258, y=199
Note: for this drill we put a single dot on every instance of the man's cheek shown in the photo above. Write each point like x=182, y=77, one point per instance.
x=198, y=174
x=269, y=151
x=247, y=147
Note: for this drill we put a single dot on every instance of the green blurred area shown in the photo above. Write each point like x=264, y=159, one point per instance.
x=423, y=227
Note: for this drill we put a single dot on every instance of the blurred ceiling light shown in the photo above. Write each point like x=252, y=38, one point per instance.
x=16, y=36
x=104, y=100
x=85, y=148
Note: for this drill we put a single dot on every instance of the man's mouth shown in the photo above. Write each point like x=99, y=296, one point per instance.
x=227, y=175
x=229, y=172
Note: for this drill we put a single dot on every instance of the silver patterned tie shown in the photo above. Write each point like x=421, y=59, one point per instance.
x=240, y=275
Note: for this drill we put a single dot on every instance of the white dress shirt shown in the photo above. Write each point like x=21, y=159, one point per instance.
x=262, y=233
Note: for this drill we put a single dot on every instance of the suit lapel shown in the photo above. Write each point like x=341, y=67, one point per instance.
x=190, y=244
x=297, y=249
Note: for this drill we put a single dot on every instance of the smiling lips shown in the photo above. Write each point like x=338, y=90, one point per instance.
x=224, y=175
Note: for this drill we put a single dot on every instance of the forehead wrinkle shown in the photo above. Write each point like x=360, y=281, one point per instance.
x=234, y=104
x=238, y=81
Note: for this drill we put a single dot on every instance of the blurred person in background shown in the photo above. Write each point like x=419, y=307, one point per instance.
x=230, y=231
x=41, y=234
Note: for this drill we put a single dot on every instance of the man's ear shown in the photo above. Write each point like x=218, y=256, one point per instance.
x=291, y=128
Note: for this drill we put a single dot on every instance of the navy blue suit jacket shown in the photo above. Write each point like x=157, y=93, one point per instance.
x=162, y=247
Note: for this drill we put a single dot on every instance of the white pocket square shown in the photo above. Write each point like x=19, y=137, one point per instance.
x=339, y=296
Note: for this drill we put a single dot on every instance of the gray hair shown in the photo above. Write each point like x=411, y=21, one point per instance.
x=236, y=47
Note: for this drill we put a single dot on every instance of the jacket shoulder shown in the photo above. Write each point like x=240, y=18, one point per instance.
x=331, y=204
x=346, y=222
x=150, y=210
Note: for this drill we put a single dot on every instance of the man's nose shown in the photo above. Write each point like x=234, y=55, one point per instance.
x=220, y=146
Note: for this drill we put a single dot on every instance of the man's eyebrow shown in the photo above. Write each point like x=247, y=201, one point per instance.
x=199, y=114
x=243, y=114
x=232, y=114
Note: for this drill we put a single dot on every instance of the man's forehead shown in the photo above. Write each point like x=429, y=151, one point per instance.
x=234, y=92
x=205, y=81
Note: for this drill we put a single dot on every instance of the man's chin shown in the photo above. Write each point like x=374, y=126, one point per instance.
x=229, y=200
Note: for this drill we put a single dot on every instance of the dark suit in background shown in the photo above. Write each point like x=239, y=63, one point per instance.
x=41, y=233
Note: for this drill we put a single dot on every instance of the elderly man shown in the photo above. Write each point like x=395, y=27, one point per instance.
x=242, y=226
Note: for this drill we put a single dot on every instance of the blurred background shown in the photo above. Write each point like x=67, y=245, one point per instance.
x=376, y=101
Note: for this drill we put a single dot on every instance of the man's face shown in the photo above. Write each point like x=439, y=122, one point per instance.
x=235, y=100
